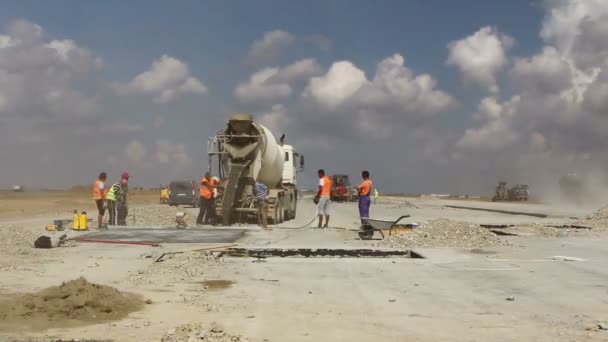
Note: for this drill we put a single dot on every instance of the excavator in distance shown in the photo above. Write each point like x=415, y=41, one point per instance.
x=246, y=151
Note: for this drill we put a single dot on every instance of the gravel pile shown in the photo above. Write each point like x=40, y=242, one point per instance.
x=598, y=220
x=158, y=215
x=195, y=332
x=177, y=268
x=16, y=240
x=445, y=233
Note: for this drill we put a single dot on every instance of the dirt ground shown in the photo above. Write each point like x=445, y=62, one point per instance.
x=40, y=203
x=538, y=283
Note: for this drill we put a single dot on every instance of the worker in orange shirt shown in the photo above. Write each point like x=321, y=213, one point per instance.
x=365, y=190
x=323, y=196
x=99, y=195
x=206, y=212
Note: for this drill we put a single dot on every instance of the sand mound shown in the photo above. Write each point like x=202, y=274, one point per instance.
x=74, y=303
x=193, y=332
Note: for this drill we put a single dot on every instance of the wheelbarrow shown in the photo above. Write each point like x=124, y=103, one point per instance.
x=370, y=226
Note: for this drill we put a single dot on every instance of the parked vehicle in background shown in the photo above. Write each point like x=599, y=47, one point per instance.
x=341, y=190
x=183, y=193
x=519, y=192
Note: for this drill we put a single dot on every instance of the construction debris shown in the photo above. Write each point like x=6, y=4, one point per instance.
x=445, y=233
x=194, y=332
x=597, y=220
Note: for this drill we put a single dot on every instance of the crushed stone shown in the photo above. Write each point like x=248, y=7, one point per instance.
x=197, y=332
x=598, y=220
x=159, y=214
x=445, y=233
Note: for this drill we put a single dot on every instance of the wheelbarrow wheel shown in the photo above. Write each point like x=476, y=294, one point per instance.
x=366, y=234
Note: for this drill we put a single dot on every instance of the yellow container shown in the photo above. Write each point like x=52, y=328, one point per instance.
x=83, y=221
x=75, y=221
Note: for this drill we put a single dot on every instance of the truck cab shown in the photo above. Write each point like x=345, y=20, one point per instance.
x=294, y=163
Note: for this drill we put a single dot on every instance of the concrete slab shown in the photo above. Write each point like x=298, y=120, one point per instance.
x=169, y=235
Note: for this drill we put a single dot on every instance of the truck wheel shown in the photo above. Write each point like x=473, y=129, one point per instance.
x=275, y=215
x=281, y=213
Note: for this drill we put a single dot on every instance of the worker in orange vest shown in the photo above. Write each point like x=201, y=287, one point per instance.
x=364, y=189
x=206, y=212
x=323, y=196
x=99, y=195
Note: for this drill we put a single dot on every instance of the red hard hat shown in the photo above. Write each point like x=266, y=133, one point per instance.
x=125, y=175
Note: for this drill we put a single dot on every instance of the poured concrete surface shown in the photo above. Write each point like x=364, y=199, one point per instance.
x=168, y=235
x=453, y=295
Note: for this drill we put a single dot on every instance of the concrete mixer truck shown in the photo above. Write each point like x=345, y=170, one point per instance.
x=245, y=151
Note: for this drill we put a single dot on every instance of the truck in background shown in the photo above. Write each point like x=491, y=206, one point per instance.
x=341, y=189
x=244, y=152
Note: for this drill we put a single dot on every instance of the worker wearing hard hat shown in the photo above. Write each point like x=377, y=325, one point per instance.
x=376, y=196
x=99, y=195
x=364, y=189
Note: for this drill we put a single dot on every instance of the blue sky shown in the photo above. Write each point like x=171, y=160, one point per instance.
x=214, y=41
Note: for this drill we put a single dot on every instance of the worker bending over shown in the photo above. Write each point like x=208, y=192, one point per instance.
x=205, y=214
x=122, y=209
x=113, y=194
x=324, y=198
x=99, y=195
x=364, y=189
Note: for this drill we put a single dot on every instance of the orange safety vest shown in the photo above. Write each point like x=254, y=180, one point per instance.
x=365, y=187
x=326, y=189
x=98, y=194
x=205, y=192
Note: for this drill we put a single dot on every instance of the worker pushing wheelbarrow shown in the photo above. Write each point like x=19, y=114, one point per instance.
x=369, y=226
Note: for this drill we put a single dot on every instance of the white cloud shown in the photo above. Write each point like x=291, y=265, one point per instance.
x=69, y=52
x=260, y=88
x=337, y=86
x=135, y=151
x=167, y=152
x=497, y=132
x=577, y=28
x=299, y=70
x=480, y=56
x=37, y=76
x=489, y=108
x=394, y=88
x=273, y=84
x=547, y=72
x=167, y=79
x=25, y=32
x=276, y=119
x=5, y=41
x=270, y=45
